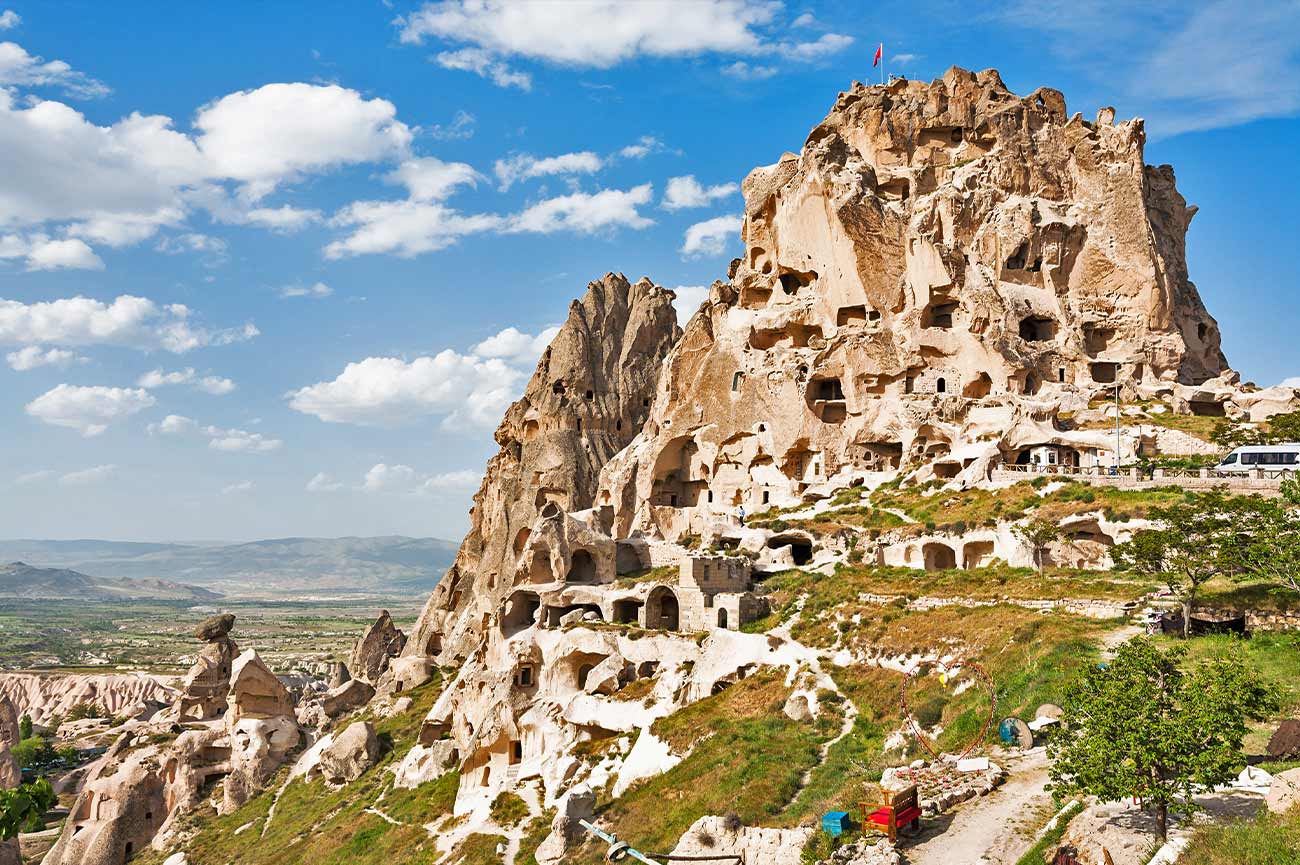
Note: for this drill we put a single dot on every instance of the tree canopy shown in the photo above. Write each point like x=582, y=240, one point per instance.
x=1143, y=726
x=21, y=809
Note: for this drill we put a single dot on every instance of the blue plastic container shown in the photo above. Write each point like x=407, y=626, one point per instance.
x=836, y=823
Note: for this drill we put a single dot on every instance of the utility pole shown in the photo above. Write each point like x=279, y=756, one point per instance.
x=1117, y=433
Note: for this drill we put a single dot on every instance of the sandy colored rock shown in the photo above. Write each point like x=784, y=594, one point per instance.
x=215, y=628
x=709, y=836
x=1284, y=793
x=9, y=732
x=206, y=687
x=353, y=751
x=381, y=642
x=261, y=725
x=578, y=804
x=47, y=696
x=352, y=694
x=10, y=772
x=340, y=675
x=425, y=763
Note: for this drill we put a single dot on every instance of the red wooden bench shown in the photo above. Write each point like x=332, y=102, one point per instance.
x=900, y=808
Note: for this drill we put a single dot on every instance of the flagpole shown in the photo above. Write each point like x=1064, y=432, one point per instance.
x=882, y=63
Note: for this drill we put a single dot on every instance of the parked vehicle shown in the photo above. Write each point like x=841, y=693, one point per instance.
x=1280, y=457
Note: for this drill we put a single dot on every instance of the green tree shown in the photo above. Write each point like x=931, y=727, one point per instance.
x=21, y=809
x=1291, y=488
x=1194, y=541
x=1037, y=534
x=25, y=727
x=1269, y=542
x=1142, y=726
x=1230, y=434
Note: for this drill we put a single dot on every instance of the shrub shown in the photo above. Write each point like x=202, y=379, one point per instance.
x=508, y=809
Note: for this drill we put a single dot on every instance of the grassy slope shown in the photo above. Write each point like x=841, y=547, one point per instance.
x=314, y=825
x=1266, y=840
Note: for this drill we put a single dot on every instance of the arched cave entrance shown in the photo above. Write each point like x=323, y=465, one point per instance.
x=662, y=611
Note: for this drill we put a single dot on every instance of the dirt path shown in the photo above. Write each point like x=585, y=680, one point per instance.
x=991, y=830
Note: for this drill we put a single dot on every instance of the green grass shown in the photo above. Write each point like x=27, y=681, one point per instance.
x=314, y=825
x=477, y=849
x=534, y=835
x=508, y=809
x=1269, y=839
x=1037, y=854
x=743, y=755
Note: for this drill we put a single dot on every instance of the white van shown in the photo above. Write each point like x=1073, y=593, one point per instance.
x=1283, y=457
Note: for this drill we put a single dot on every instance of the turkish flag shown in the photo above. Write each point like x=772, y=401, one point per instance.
x=880, y=52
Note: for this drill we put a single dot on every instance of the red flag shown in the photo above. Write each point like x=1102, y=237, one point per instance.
x=880, y=52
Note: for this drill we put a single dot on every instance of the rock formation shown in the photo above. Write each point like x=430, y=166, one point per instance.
x=261, y=726
x=204, y=690
x=351, y=753
x=380, y=642
x=9, y=729
x=588, y=397
x=46, y=697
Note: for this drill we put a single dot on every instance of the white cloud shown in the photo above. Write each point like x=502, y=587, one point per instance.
x=430, y=179
x=688, y=300
x=88, y=409
x=598, y=33
x=1293, y=381
x=9, y=19
x=158, y=378
x=134, y=322
x=323, y=483
x=388, y=391
x=523, y=166
x=273, y=133
x=20, y=69
x=586, y=212
x=236, y=488
x=516, y=346
x=460, y=128
x=240, y=441
x=404, y=228
x=804, y=20
x=44, y=253
x=904, y=58
x=33, y=356
x=644, y=147
x=683, y=192
x=823, y=47
x=482, y=64
x=86, y=477
x=749, y=72
x=316, y=290
x=404, y=479
x=215, y=385
x=284, y=219
x=35, y=477
x=173, y=424
x=193, y=241
x=711, y=236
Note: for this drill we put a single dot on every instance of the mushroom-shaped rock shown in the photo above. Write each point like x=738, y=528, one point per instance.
x=354, y=751
x=215, y=628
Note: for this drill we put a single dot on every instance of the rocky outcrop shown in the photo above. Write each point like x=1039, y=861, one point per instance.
x=350, y=695
x=587, y=398
x=943, y=270
x=261, y=726
x=711, y=836
x=351, y=753
x=206, y=685
x=9, y=732
x=46, y=697
x=381, y=642
x=1284, y=792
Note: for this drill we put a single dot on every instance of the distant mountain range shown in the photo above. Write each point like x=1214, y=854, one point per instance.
x=20, y=580
x=389, y=564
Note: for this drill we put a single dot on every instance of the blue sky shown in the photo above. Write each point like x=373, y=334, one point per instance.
x=268, y=270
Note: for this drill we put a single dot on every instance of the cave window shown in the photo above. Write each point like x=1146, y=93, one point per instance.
x=516, y=752
x=1037, y=265
x=589, y=395
x=767, y=496
x=578, y=423
x=722, y=617
x=940, y=315
x=645, y=403
x=618, y=426
x=736, y=379
x=1104, y=372
x=873, y=315
x=1201, y=330
x=850, y=314
x=130, y=849
x=1037, y=328
x=487, y=775
x=672, y=500
x=910, y=385
x=762, y=427
x=558, y=388
x=710, y=497
x=1017, y=259
x=583, y=672
x=940, y=385
x=1060, y=374
x=829, y=389
x=1031, y=384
